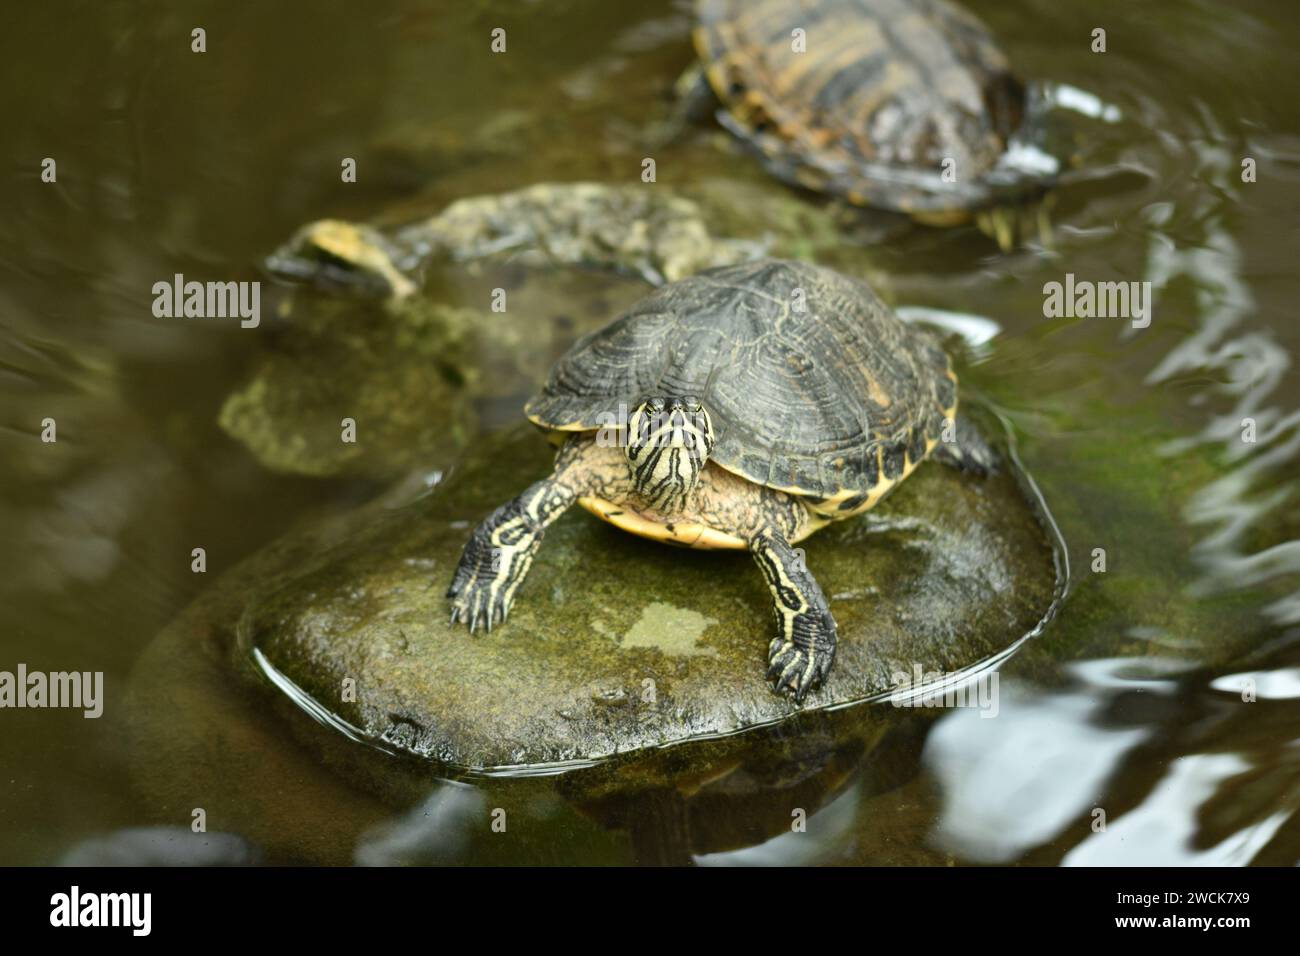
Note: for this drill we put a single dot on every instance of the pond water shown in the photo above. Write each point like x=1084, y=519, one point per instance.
x=1169, y=452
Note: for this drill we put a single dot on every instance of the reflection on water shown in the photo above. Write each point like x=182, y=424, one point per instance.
x=1059, y=767
x=1166, y=694
x=1016, y=783
x=832, y=826
x=163, y=846
x=1163, y=830
x=437, y=831
x=1248, y=366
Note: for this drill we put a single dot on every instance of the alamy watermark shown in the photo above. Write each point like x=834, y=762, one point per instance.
x=1083, y=299
x=75, y=690
x=130, y=910
x=922, y=688
x=612, y=428
x=179, y=299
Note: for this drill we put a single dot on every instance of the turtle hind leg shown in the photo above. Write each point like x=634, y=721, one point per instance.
x=500, y=552
x=801, y=654
x=968, y=451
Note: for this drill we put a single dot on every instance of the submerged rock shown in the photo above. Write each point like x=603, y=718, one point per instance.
x=618, y=645
x=197, y=738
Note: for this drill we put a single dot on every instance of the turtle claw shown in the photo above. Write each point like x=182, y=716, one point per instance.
x=798, y=670
x=489, y=618
x=778, y=657
x=480, y=603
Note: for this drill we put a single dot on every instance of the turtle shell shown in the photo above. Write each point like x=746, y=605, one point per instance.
x=880, y=95
x=813, y=385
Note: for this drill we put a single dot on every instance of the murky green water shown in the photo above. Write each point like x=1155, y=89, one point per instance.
x=169, y=161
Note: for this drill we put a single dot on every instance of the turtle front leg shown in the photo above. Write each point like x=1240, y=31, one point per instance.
x=500, y=552
x=801, y=654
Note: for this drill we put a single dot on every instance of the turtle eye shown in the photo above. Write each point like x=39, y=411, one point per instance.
x=691, y=404
x=655, y=404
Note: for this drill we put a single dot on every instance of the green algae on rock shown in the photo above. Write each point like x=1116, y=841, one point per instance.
x=346, y=361
x=947, y=574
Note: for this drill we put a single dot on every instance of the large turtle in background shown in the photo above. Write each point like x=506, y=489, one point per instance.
x=743, y=408
x=902, y=105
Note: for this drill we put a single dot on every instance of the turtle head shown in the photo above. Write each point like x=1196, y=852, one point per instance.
x=340, y=256
x=668, y=441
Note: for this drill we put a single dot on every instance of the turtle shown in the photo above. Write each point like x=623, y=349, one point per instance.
x=902, y=105
x=744, y=407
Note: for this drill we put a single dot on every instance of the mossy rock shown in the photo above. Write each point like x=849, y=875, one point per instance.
x=617, y=645
x=339, y=362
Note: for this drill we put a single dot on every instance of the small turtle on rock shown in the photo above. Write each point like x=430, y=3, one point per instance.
x=766, y=400
x=656, y=235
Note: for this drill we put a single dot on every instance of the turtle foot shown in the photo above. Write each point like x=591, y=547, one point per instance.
x=798, y=670
x=492, y=566
x=479, y=603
